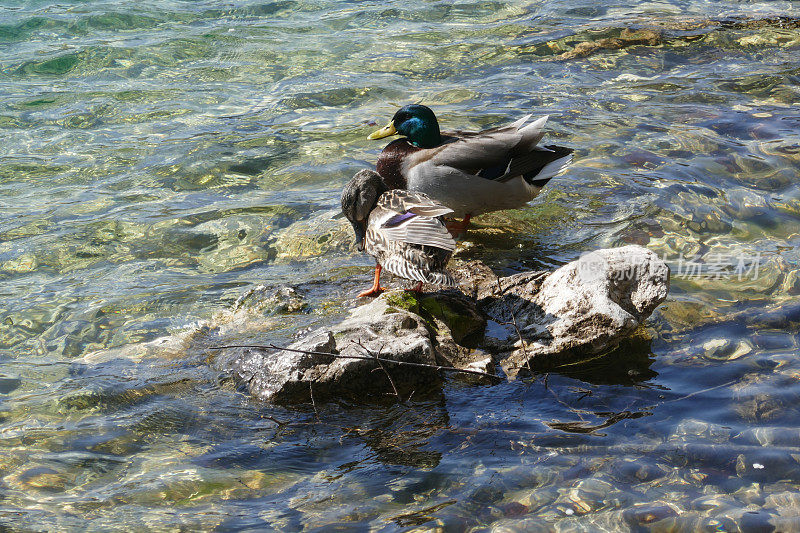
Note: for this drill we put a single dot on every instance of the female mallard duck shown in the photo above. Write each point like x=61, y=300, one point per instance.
x=401, y=229
x=469, y=172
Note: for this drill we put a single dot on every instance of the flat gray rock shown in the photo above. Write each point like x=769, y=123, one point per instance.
x=376, y=328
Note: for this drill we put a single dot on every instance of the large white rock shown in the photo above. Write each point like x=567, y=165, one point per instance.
x=585, y=307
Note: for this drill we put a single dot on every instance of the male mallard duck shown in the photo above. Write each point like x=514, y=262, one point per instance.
x=469, y=172
x=401, y=229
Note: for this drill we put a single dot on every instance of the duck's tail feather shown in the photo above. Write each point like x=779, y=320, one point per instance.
x=558, y=159
x=398, y=266
x=533, y=132
x=536, y=166
x=442, y=278
x=519, y=123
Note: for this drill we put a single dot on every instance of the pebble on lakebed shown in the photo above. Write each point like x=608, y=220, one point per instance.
x=531, y=320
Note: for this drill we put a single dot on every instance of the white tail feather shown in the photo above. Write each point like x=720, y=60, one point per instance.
x=553, y=167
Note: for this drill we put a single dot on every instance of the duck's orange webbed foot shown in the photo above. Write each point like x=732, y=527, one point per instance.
x=416, y=289
x=376, y=288
x=457, y=229
x=371, y=292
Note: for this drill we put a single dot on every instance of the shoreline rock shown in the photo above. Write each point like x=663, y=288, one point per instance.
x=531, y=320
x=583, y=308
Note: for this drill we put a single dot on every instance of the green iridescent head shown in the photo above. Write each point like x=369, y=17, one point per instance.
x=417, y=122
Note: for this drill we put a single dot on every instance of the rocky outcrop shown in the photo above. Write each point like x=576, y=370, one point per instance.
x=397, y=327
x=530, y=321
x=376, y=328
x=583, y=308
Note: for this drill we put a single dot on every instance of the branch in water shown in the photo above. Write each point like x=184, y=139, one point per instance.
x=363, y=357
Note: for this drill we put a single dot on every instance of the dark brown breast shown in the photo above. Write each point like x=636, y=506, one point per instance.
x=390, y=163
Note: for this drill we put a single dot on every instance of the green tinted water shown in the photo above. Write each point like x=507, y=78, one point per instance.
x=160, y=159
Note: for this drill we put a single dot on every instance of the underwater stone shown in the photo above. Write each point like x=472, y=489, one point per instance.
x=782, y=317
x=282, y=300
x=757, y=522
x=770, y=436
x=713, y=503
x=637, y=471
x=535, y=499
x=643, y=514
x=44, y=479
x=21, y=265
x=9, y=383
x=693, y=430
x=626, y=38
x=725, y=350
x=761, y=408
x=791, y=283
x=532, y=525
x=314, y=237
x=767, y=465
x=786, y=503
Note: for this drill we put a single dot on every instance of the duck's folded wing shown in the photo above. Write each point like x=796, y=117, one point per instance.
x=489, y=149
x=538, y=165
x=411, y=228
x=404, y=202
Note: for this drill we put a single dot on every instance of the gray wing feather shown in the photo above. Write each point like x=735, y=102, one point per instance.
x=421, y=230
x=490, y=148
x=402, y=201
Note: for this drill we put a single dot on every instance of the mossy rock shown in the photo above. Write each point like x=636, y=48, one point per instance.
x=443, y=313
x=458, y=316
x=405, y=300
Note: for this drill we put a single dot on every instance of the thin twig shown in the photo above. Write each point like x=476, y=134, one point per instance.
x=584, y=394
x=272, y=418
x=313, y=403
x=565, y=404
x=388, y=375
x=695, y=393
x=516, y=328
x=364, y=357
x=521, y=340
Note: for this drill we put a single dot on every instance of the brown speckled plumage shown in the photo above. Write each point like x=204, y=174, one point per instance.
x=404, y=230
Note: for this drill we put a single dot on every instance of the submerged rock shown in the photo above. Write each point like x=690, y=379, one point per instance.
x=280, y=301
x=313, y=237
x=535, y=320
